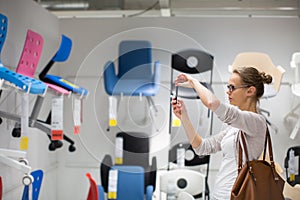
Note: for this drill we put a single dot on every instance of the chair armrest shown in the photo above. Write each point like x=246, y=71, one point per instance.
x=156, y=74
x=149, y=192
x=110, y=77
x=104, y=171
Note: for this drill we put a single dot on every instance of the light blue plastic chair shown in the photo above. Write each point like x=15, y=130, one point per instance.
x=130, y=183
x=135, y=75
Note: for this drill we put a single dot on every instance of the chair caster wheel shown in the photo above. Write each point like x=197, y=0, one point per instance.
x=72, y=148
x=16, y=132
x=55, y=144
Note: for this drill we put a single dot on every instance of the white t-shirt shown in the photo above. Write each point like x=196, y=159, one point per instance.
x=253, y=124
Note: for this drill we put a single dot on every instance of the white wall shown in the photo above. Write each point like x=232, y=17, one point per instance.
x=95, y=42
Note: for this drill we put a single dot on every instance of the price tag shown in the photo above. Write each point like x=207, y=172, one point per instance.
x=77, y=115
x=119, y=151
x=112, y=184
x=113, y=111
x=57, y=118
x=24, y=122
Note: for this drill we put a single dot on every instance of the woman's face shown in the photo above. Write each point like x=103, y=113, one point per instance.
x=236, y=90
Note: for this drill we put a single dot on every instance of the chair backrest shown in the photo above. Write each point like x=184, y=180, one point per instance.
x=182, y=180
x=130, y=184
x=31, y=54
x=135, y=148
x=135, y=59
x=192, y=61
x=295, y=63
x=3, y=31
x=61, y=55
x=262, y=62
x=93, y=193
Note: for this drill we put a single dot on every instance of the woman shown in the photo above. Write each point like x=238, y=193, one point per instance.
x=245, y=87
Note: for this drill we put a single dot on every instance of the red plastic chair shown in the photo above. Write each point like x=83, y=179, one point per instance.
x=96, y=192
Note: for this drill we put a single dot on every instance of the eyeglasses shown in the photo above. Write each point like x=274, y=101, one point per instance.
x=231, y=88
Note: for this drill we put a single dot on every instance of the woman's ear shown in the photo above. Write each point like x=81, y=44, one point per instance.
x=251, y=91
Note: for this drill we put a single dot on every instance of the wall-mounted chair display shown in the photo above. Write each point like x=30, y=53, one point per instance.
x=95, y=192
x=24, y=80
x=183, y=152
x=194, y=62
x=137, y=75
x=291, y=161
x=295, y=88
x=130, y=183
x=262, y=62
x=177, y=181
x=136, y=151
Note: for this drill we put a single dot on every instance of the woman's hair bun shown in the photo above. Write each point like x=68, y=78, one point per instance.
x=266, y=78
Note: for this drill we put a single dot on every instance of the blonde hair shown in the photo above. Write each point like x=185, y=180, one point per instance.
x=252, y=77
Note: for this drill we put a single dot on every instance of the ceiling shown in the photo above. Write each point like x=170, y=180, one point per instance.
x=168, y=8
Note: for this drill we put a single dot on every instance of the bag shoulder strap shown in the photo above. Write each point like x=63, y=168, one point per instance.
x=267, y=142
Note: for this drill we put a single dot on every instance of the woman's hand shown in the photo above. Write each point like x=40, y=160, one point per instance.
x=178, y=108
x=184, y=80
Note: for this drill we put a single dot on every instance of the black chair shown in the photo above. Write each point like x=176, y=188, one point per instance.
x=296, y=179
x=190, y=161
x=191, y=61
x=135, y=152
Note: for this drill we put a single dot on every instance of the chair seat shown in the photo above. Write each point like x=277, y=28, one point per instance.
x=296, y=89
x=23, y=82
x=58, y=89
x=190, y=93
x=134, y=87
x=59, y=81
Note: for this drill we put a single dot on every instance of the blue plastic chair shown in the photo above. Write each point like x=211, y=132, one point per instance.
x=36, y=186
x=135, y=76
x=130, y=183
x=62, y=55
x=3, y=32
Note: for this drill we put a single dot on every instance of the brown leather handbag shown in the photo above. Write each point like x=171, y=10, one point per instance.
x=257, y=179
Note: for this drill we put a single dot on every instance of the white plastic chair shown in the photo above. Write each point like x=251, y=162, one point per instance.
x=182, y=180
x=295, y=88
